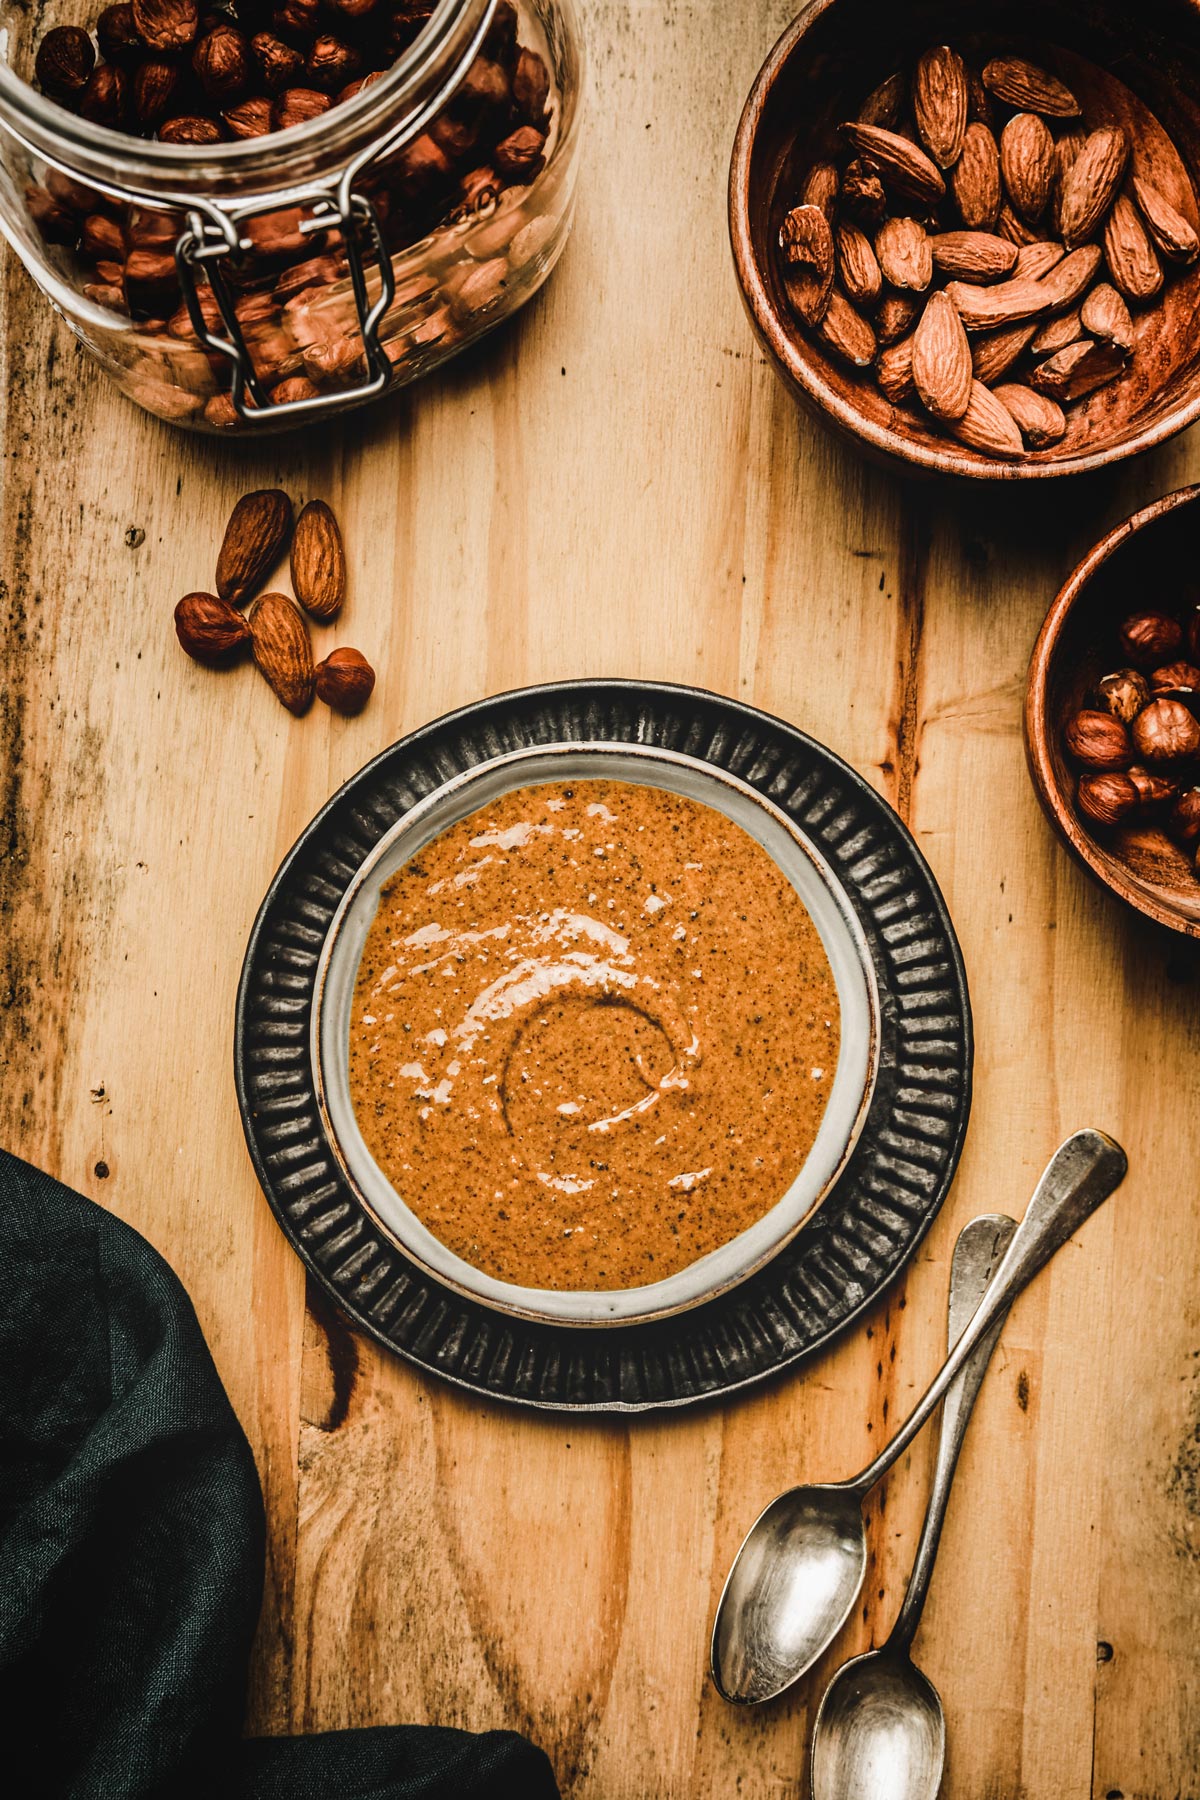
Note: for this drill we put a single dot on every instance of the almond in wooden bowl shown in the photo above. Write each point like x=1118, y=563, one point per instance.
x=992, y=155
x=1129, y=825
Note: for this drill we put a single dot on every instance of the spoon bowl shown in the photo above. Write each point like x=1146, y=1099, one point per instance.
x=880, y=1733
x=790, y=1590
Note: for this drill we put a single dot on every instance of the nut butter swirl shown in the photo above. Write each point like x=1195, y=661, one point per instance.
x=593, y=1033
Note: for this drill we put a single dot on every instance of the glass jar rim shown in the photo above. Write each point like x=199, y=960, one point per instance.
x=317, y=149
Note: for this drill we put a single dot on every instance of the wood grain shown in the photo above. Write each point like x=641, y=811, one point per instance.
x=616, y=485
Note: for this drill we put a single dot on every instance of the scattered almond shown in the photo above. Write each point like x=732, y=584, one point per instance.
x=1105, y=315
x=1036, y=260
x=1132, y=263
x=897, y=315
x=1078, y=370
x=987, y=425
x=973, y=255
x=903, y=165
x=255, y=538
x=993, y=353
x=883, y=105
x=1028, y=164
x=975, y=180
x=858, y=266
x=318, y=561
x=1057, y=333
x=209, y=629
x=904, y=253
x=807, y=245
x=1091, y=184
x=283, y=650
x=894, y=370
x=1024, y=84
x=1007, y=303
x=821, y=189
x=847, y=333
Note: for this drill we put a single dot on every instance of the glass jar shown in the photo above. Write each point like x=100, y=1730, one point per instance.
x=247, y=285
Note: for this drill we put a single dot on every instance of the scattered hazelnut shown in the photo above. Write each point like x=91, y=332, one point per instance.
x=1150, y=639
x=1165, y=730
x=1123, y=694
x=1098, y=741
x=345, y=680
x=1173, y=676
x=1106, y=799
x=1184, y=821
x=209, y=629
x=64, y=62
x=1152, y=790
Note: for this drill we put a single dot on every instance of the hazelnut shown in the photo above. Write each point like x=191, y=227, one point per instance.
x=166, y=24
x=1193, y=634
x=210, y=630
x=190, y=129
x=103, y=100
x=221, y=63
x=296, y=106
x=1106, y=799
x=119, y=39
x=345, y=680
x=1174, y=676
x=155, y=82
x=1184, y=821
x=519, y=155
x=249, y=118
x=1098, y=741
x=1152, y=790
x=64, y=62
x=331, y=63
x=279, y=62
x=1165, y=731
x=1150, y=639
x=1123, y=694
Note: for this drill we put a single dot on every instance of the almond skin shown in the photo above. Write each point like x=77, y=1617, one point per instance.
x=1032, y=89
x=209, y=629
x=1132, y=263
x=995, y=352
x=1036, y=260
x=903, y=165
x=939, y=97
x=1078, y=370
x=1071, y=277
x=857, y=266
x=1105, y=315
x=318, y=561
x=1057, y=333
x=1171, y=233
x=941, y=362
x=345, y=680
x=847, y=333
x=821, y=189
x=255, y=538
x=1091, y=184
x=894, y=370
x=884, y=104
x=1028, y=164
x=283, y=651
x=975, y=180
x=897, y=315
x=1008, y=303
x=986, y=425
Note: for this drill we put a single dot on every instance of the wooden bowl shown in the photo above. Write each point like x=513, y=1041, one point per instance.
x=1148, y=561
x=819, y=73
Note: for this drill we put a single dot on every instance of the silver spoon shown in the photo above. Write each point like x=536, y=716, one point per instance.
x=880, y=1734
x=799, y=1571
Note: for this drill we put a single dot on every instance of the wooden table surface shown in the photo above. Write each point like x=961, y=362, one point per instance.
x=617, y=484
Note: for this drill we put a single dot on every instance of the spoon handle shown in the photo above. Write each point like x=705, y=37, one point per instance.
x=1079, y=1177
x=980, y=1246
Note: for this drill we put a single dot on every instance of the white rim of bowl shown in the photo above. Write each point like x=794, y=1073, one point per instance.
x=721, y=1269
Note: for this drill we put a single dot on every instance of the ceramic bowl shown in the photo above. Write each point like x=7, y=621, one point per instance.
x=840, y=933
x=818, y=74
x=1147, y=561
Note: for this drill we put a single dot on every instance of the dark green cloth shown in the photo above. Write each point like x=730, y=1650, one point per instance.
x=131, y=1548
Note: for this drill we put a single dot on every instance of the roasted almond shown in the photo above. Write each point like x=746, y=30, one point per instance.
x=1132, y=263
x=973, y=255
x=1028, y=164
x=1007, y=303
x=283, y=650
x=255, y=538
x=904, y=253
x=1040, y=420
x=1105, y=315
x=1057, y=333
x=975, y=180
x=1092, y=183
x=1066, y=153
x=903, y=165
x=896, y=316
x=1032, y=89
x=1077, y=370
x=318, y=561
x=858, y=266
x=1071, y=277
x=820, y=189
x=847, y=333
x=1011, y=225
x=1036, y=260
x=987, y=425
x=941, y=360
x=939, y=96
x=884, y=104
x=1170, y=231
x=894, y=370
x=806, y=243
x=993, y=353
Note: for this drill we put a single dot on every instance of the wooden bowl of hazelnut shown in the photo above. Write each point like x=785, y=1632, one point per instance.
x=969, y=237
x=1112, y=712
